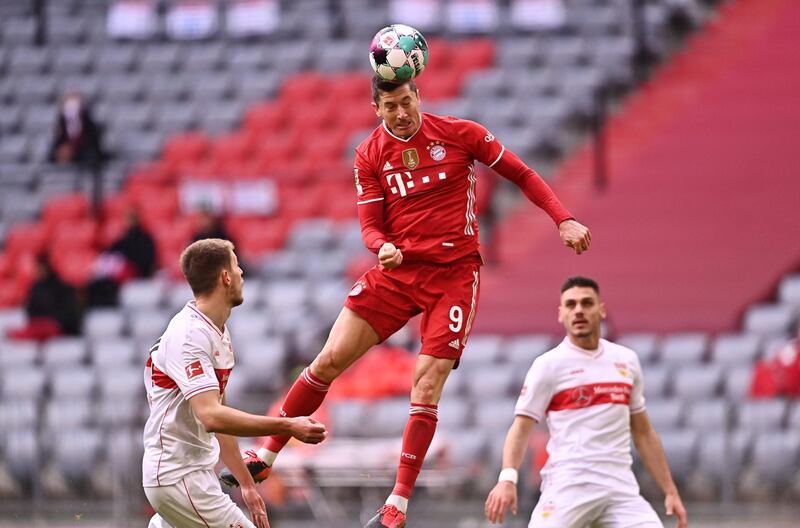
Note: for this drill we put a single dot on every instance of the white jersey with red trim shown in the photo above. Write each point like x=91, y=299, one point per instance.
x=192, y=356
x=587, y=397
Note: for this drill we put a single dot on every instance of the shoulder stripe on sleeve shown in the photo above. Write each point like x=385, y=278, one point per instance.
x=369, y=201
x=498, y=156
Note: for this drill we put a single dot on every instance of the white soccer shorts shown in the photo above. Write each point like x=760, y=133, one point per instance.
x=580, y=504
x=197, y=501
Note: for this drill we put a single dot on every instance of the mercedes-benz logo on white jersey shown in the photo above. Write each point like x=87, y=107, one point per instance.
x=581, y=396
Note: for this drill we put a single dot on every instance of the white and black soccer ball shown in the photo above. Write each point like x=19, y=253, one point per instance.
x=398, y=53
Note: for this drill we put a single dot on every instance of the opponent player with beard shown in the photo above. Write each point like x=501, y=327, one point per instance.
x=415, y=180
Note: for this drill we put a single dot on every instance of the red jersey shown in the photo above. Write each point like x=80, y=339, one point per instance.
x=419, y=193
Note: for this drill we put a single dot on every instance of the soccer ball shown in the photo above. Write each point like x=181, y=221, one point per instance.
x=398, y=53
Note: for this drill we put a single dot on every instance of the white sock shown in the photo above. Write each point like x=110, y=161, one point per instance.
x=401, y=503
x=266, y=455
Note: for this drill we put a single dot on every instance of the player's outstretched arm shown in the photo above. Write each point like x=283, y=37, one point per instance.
x=218, y=418
x=504, y=493
x=229, y=453
x=575, y=235
x=652, y=453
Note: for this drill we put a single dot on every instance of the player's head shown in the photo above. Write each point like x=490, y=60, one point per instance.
x=580, y=309
x=212, y=268
x=398, y=105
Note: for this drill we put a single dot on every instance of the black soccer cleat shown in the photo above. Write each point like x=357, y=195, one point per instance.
x=258, y=469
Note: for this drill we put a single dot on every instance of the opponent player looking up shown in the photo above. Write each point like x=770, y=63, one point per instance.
x=590, y=391
x=415, y=180
x=190, y=427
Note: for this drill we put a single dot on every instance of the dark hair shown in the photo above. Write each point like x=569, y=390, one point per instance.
x=379, y=85
x=581, y=282
x=202, y=261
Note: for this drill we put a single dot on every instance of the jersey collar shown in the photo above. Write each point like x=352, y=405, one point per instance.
x=591, y=353
x=421, y=119
x=193, y=306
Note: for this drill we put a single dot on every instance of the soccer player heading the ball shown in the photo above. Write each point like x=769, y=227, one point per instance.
x=415, y=182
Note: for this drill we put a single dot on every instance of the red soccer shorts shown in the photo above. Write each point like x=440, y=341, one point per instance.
x=447, y=296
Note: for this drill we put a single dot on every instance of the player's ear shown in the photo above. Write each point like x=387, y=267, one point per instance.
x=375, y=107
x=226, y=277
x=602, y=310
x=560, y=315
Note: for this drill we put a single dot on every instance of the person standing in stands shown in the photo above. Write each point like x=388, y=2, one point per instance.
x=190, y=427
x=415, y=183
x=590, y=390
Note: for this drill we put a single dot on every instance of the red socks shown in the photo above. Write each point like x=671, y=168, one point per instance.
x=303, y=399
x=417, y=438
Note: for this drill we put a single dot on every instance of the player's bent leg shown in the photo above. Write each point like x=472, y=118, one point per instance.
x=568, y=505
x=349, y=339
x=196, y=501
x=629, y=510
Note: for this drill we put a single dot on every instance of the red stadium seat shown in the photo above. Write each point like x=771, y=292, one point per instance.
x=73, y=236
x=191, y=146
x=481, y=55
x=65, y=208
x=75, y=267
x=441, y=85
x=26, y=238
x=302, y=88
x=350, y=87
x=231, y=149
x=12, y=293
x=154, y=173
x=172, y=237
x=257, y=236
x=113, y=228
x=312, y=116
x=301, y=201
x=265, y=118
x=156, y=204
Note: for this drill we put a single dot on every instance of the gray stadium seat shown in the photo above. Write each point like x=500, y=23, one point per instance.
x=18, y=414
x=10, y=119
x=246, y=59
x=469, y=446
x=13, y=149
x=120, y=382
x=21, y=451
x=522, y=350
x=63, y=351
x=794, y=418
x=103, y=323
x=456, y=384
x=72, y=382
x=683, y=349
x=35, y=90
x=665, y=415
x=18, y=353
x=482, y=349
x=494, y=414
x=519, y=53
x=262, y=361
x=328, y=297
x=161, y=58
x=109, y=351
x=142, y=294
x=645, y=345
x=116, y=59
x=248, y=325
x=347, y=418
x=167, y=89
x=64, y=414
x=120, y=413
x=657, y=380
x=312, y=234
x=176, y=117
x=67, y=30
x=87, y=85
x=775, y=455
x=721, y=454
x=769, y=319
x=737, y=382
x=73, y=59
x=386, y=417
x=487, y=83
x=454, y=413
x=29, y=60
x=680, y=446
x=697, y=382
x=210, y=90
x=789, y=290
x=326, y=264
x=493, y=381
x=123, y=88
x=76, y=452
x=708, y=415
x=763, y=415
x=146, y=325
x=179, y=293
x=207, y=57
x=133, y=117
x=257, y=86
x=735, y=349
x=286, y=294
x=340, y=55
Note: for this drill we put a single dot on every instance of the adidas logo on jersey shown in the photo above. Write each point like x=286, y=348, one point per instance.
x=455, y=344
x=388, y=166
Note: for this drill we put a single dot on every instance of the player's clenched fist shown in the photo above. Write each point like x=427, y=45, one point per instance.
x=500, y=498
x=575, y=235
x=308, y=430
x=389, y=256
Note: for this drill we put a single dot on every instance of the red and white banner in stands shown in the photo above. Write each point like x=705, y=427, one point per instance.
x=132, y=19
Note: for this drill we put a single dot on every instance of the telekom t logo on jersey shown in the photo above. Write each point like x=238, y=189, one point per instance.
x=400, y=182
